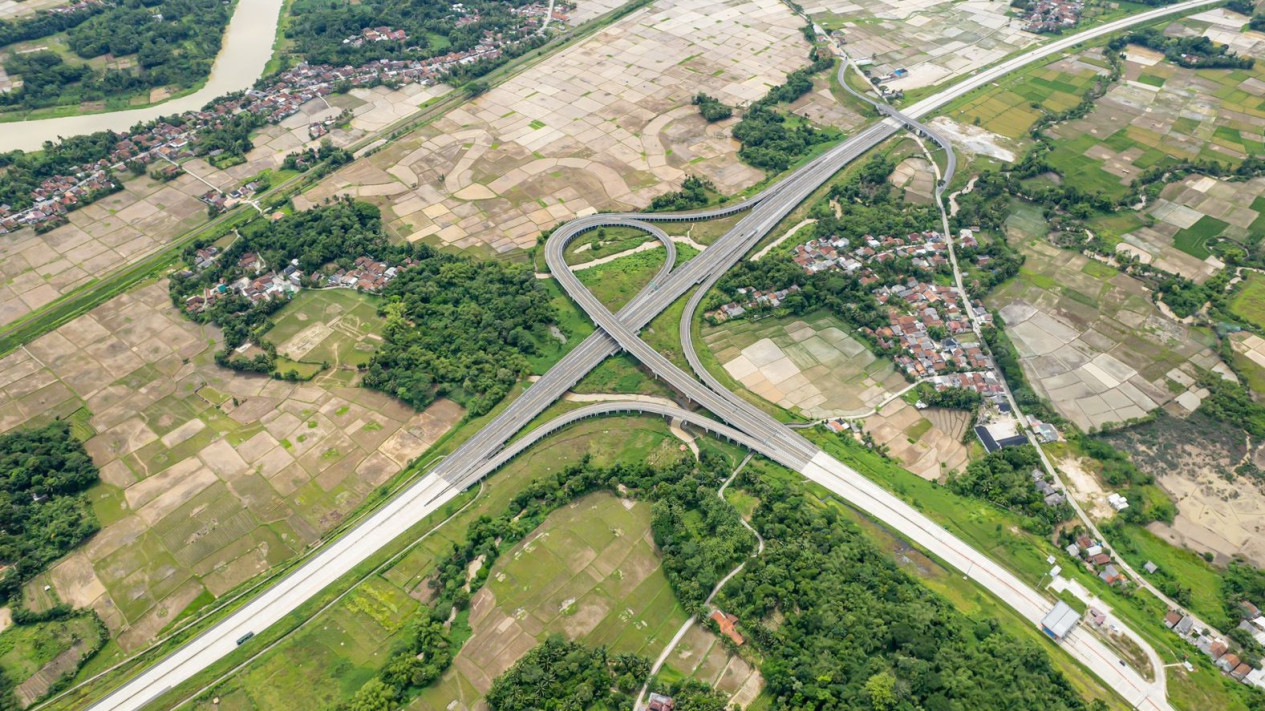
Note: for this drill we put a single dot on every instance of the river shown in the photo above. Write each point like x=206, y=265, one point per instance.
x=246, y=50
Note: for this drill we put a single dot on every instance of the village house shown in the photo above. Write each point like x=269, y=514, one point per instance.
x=726, y=622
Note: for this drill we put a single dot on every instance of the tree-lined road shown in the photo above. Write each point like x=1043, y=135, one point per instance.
x=486, y=450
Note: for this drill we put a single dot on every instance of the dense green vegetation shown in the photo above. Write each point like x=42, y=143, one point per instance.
x=712, y=108
x=460, y=328
x=770, y=140
x=1005, y=478
x=43, y=512
x=456, y=327
x=558, y=675
x=840, y=626
x=174, y=43
x=950, y=398
x=43, y=24
x=318, y=29
x=1232, y=403
x=36, y=639
x=695, y=192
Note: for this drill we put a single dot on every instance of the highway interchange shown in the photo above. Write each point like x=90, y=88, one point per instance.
x=739, y=421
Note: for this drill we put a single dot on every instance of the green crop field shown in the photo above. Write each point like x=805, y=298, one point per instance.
x=1194, y=239
x=1249, y=302
x=25, y=649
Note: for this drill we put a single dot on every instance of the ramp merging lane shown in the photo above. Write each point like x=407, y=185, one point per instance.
x=486, y=449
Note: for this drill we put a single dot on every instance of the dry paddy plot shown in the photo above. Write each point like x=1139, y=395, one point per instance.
x=811, y=366
x=927, y=443
x=591, y=573
x=933, y=39
x=1093, y=343
x=604, y=124
x=208, y=476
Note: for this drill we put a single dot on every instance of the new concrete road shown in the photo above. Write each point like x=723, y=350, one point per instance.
x=478, y=455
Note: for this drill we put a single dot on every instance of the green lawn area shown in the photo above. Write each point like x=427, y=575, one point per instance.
x=573, y=324
x=621, y=374
x=603, y=242
x=1249, y=302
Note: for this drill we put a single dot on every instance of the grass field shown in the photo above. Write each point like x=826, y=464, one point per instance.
x=1140, y=545
x=335, y=326
x=615, y=283
x=599, y=243
x=622, y=374
x=1249, y=302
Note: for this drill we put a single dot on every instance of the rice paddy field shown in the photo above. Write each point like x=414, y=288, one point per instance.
x=1161, y=113
x=590, y=572
x=1249, y=302
x=1011, y=107
x=1091, y=341
x=811, y=365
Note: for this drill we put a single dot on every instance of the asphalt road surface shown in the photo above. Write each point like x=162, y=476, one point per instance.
x=479, y=455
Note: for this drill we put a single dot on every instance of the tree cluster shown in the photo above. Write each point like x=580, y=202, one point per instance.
x=1232, y=403
x=712, y=108
x=43, y=24
x=840, y=626
x=558, y=675
x=1191, y=52
x=43, y=511
x=695, y=192
x=769, y=140
x=174, y=43
x=305, y=159
x=460, y=328
x=1004, y=478
x=950, y=398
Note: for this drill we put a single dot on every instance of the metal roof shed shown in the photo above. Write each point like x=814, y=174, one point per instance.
x=1060, y=621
